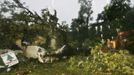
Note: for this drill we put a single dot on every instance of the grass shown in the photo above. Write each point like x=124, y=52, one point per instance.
x=112, y=63
x=33, y=67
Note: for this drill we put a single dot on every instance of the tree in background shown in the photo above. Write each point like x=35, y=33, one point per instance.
x=112, y=19
x=129, y=19
x=80, y=25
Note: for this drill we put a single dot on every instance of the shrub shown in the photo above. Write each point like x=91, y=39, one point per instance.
x=117, y=63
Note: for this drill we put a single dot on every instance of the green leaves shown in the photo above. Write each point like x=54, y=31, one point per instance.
x=103, y=63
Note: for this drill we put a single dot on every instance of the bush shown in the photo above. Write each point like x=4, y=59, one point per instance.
x=117, y=63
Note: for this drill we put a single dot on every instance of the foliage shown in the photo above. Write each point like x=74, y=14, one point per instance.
x=118, y=7
x=113, y=18
x=117, y=63
x=129, y=18
x=28, y=25
x=81, y=24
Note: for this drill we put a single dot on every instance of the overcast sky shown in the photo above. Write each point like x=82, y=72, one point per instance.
x=66, y=9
